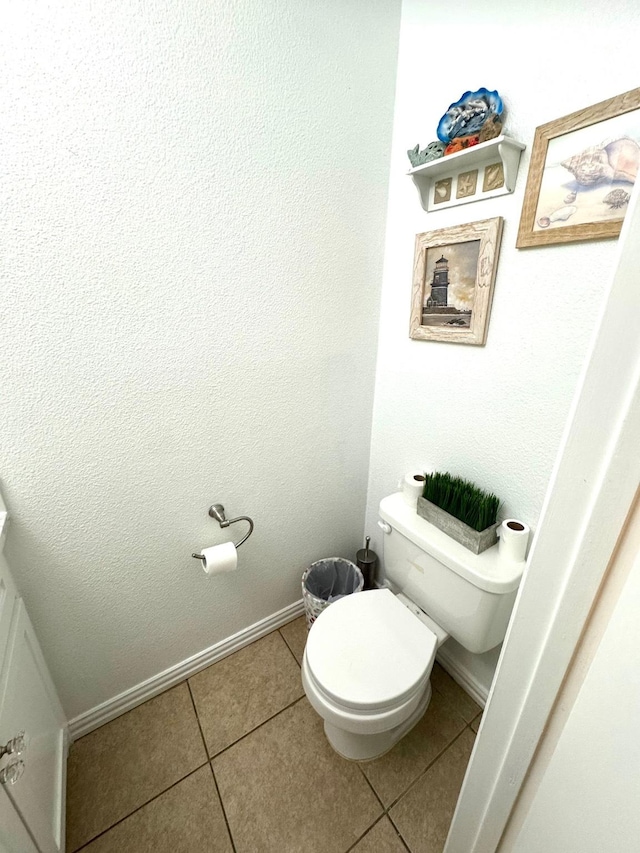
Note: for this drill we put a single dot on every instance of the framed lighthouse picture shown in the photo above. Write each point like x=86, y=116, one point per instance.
x=454, y=272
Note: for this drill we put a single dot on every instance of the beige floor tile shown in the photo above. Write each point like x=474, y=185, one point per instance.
x=295, y=636
x=392, y=774
x=461, y=701
x=125, y=763
x=475, y=725
x=238, y=693
x=424, y=814
x=285, y=790
x=185, y=819
x=382, y=838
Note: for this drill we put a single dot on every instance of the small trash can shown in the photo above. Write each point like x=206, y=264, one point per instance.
x=325, y=581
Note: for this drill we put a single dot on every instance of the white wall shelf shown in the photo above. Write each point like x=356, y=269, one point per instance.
x=483, y=171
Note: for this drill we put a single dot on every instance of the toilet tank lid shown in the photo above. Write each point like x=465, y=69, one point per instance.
x=485, y=571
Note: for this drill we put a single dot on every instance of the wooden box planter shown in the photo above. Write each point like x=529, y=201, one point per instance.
x=474, y=540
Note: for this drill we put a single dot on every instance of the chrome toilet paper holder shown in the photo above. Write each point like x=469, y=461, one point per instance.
x=217, y=511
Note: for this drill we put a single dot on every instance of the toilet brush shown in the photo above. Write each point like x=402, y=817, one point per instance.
x=366, y=561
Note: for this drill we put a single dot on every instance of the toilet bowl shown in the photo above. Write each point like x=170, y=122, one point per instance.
x=366, y=670
x=368, y=657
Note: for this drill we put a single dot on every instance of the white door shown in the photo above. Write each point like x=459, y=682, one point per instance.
x=587, y=504
x=28, y=702
x=14, y=837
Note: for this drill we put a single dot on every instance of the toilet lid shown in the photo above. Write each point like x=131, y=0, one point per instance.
x=368, y=651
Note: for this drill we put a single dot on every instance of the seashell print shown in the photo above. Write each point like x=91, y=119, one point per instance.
x=612, y=160
x=562, y=214
x=590, y=167
x=570, y=197
x=559, y=215
x=624, y=157
x=616, y=199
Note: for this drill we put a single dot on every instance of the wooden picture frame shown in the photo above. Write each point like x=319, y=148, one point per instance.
x=454, y=272
x=582, y=171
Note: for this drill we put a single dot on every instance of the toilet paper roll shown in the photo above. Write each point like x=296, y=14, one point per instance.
x=219, y=559
x=412, y=487
x=514, y=538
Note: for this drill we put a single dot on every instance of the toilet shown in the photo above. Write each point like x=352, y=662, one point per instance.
x=368, y=657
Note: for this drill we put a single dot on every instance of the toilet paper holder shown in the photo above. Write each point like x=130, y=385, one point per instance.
x=217, y=511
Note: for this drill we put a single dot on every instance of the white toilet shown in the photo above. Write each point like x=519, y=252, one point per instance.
x=369, y=656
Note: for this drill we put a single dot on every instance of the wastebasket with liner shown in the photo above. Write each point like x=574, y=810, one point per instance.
x=325, y=581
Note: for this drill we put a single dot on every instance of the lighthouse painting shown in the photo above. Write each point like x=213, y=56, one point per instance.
x=453, y=278
x=450, y=283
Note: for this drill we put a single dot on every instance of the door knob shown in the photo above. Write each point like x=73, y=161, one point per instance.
x=16, y=746
x=10, y=774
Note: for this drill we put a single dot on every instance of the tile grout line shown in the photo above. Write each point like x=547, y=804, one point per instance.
x=288, y=646
x=387, y=809
x=385, y=813
x=374, y=824
x=399, y=834
x=370, y=784
x=195, y=711
x=224, y=811
x=255, y=729
x=452, y=705
x=209, y=760
x=414, y=781
x=426, y=770
x=140, y=705
x=213, y=775
x=367, y=830
x=185, y=680
x=138, y=808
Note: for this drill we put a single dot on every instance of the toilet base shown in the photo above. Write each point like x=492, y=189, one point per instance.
x=366, y=747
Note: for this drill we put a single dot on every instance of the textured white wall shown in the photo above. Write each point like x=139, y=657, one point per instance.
x=193, y=224
x=493, y=414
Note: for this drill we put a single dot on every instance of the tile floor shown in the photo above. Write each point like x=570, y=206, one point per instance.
x=235, y=760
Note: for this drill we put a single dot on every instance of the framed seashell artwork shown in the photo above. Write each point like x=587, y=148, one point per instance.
x=582, y=172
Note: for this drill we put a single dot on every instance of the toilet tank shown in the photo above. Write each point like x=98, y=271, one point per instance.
x=469, y=595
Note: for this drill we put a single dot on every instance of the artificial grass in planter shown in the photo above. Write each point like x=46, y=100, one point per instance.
x=462, y=499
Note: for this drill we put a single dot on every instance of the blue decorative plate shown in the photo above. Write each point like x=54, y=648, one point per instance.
x=466, y=116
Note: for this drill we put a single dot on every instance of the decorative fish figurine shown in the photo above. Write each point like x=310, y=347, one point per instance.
x=433, y=151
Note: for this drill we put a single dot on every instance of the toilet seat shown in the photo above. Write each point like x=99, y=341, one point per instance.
x=368, y=652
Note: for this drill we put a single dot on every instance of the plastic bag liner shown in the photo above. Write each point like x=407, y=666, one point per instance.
x=325, y=581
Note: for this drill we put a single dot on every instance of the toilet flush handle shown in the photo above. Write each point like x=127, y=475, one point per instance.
x=386, y=528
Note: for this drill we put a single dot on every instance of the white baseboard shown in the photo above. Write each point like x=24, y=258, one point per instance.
x=112, y=708
x=463, y=676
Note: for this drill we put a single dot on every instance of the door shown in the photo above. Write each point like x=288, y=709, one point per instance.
x=589, y=498
x=28, y=702
x=14, y=838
